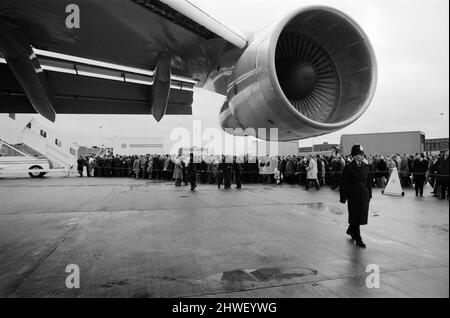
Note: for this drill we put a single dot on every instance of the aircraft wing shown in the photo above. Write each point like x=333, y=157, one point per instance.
x=117, y=61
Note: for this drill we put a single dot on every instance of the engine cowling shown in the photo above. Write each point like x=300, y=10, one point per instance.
x=312, y=73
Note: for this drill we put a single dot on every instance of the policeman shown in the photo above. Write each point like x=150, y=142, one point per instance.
x=355, y=188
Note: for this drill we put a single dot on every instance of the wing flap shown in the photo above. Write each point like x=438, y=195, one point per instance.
x=75, y=94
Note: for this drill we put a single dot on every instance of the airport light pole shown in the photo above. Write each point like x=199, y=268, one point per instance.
x=101, y=136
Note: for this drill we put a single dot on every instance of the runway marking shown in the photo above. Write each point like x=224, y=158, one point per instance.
x=264, y=274
x=314, y=283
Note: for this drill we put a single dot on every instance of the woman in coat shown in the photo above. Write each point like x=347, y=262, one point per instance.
x=91, y=166
x=382, y=172
x=391, y=165
x=178, y=172
x=311, y=173
x=404, y=172
x=136, y=167
x=356, y=188
x=150, y=168
x=80, y=165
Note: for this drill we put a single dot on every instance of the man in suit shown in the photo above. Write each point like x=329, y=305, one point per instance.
x=192, y=172
x=156, y=167
x=166, y=164
x=443, y=173
x=237, y=172
x=108, y=166
x=355, y=187
x=129, y=170
x=100, y=166
x=224, y=174
x=419, y=168
x=203, y=167
x=115, y=163
x=123, y=167
x=183, y=172
x=80, y=164
x=433, y=172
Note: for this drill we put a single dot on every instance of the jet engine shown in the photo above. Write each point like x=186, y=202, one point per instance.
x=312, y=73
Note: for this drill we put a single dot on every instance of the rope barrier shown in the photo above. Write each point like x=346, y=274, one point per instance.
x=257, y=172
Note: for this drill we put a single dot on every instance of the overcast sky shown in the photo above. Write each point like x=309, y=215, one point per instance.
x=411, y=42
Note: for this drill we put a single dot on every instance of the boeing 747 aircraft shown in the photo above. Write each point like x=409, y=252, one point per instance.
x=309, y=73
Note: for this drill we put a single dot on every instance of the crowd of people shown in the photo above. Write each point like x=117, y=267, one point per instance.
x=304, y=170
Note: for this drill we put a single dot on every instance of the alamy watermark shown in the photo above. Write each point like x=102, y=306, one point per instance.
x=73, y=279
x=373, y=279
x=230, y=142
x=73, y=18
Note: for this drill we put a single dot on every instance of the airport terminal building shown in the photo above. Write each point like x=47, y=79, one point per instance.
x=318, y=149
x=436, y=145
x=408, y=142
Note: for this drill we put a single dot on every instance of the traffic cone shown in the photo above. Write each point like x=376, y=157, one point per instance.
x=427, y=188
x=393, y=186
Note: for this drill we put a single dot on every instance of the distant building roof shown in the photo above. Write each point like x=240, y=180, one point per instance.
x=391, y=132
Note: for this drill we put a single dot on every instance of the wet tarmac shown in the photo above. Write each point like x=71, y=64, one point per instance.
x=140, y=238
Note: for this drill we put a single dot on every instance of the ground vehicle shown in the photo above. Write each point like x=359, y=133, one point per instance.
x=14, y=161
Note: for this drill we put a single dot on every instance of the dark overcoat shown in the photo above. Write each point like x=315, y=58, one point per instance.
x=355, y=188
x=192, y=171
x=420, y=167
x=80, y=164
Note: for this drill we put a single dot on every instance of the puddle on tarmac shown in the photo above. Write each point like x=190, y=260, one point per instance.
x=323, y=207
x=440, y=229
x=115, y=283
x=237, y=275
x=134, y=187
x=318, y=205
x=336, y=211
x=257, y=189
x=264, y=274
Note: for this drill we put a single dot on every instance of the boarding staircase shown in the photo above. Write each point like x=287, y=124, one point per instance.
x=55, y=157
x=53, y=162
x=28, y=150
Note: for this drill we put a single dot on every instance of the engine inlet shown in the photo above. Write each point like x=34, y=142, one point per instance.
x=307, y=75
